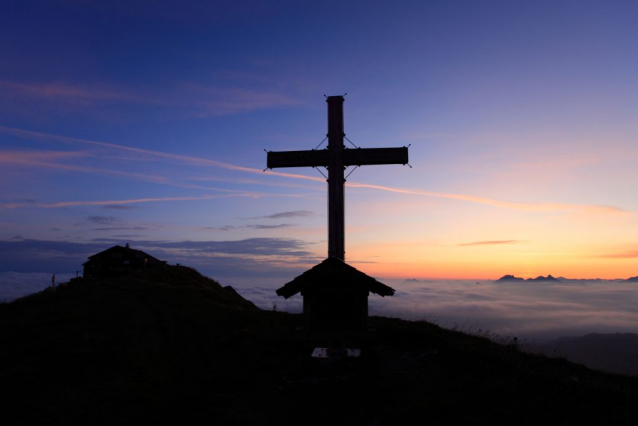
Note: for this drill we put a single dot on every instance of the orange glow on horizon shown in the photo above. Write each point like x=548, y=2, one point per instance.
x=474, y=271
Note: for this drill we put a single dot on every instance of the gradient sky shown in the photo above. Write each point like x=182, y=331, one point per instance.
x=146, y=122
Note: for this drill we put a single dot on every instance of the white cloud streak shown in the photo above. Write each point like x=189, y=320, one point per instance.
x=195, y=161
x=111, y=203
x=69, y=93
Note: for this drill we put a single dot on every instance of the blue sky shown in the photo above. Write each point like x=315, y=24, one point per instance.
x=145, y=122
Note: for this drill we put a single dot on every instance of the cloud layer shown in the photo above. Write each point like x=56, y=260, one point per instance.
x=263, y=257
x=529, y=311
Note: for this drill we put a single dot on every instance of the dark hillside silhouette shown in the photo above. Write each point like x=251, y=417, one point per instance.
x=614, y=352
x=173, y=347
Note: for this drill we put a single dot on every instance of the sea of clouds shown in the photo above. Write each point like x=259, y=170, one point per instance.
x=532, y=311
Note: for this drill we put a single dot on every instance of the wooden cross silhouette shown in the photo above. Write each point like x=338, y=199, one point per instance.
x=336, y=158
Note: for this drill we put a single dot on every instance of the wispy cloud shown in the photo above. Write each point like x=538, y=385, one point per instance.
x=122, y=228
x=230, y=227
x=534, y=207
x=237, y=180
x=252, y=246
x=631, y=254
x=269, y=255
x=283, y=215
x=120, y=207
x=50, y=160
x=197, y=100
x=217, y=101
x=490, y=243
x=68, y=92
x=282, y=225
x=123, y=202
x=22, y=158
x=180, y=159
x=102, y=220
x=220, y=228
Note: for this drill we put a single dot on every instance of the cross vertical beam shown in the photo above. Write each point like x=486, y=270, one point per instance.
x=336, y=205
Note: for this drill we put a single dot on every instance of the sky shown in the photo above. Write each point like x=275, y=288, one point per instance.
x=145, y=122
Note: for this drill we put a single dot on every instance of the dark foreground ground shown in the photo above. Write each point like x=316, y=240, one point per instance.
x=172, y=347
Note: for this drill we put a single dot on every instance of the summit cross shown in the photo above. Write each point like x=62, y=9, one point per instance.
x=336, y=158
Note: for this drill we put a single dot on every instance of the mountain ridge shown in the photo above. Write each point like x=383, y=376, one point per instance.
x=539, y=278
x=510, y=277
x=174, y=347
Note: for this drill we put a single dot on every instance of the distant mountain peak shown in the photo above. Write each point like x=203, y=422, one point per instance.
x=539, y=278
x=542, y=278
x=510, y=278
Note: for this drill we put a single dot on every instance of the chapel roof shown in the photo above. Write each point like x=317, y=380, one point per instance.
x=334, y=273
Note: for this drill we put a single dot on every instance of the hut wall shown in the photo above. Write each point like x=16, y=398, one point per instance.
x=330, y=309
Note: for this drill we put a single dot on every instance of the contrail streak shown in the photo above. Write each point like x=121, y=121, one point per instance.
x=538, y=207
x=130, y=201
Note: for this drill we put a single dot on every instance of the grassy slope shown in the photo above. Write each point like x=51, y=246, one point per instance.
x=173, y=347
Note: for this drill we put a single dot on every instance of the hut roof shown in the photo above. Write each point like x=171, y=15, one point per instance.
x=334, y=273
x=139, y=254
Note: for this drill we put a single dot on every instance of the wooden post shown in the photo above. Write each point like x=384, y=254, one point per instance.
x=336, y=205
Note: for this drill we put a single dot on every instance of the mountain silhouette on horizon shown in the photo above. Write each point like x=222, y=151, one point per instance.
x=552, y=278
x=510, y=278
x=539, y=278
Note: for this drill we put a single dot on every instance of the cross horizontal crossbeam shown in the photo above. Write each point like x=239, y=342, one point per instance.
x=351, y=157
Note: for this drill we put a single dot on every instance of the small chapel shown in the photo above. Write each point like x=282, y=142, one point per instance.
x=335, y=296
